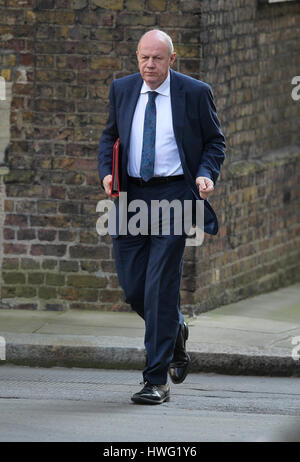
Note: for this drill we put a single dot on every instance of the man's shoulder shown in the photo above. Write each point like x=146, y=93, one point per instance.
x=190, y=83
x=127, y=80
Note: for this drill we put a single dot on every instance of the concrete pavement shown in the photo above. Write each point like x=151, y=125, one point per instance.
x=256, y=336
x=81, y=405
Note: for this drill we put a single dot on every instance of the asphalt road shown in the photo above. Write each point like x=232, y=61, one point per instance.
x=58, y=404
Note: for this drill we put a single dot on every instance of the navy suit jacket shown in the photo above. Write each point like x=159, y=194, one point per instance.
x=197, y=131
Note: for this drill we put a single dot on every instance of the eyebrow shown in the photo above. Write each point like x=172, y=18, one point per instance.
x=143, y=55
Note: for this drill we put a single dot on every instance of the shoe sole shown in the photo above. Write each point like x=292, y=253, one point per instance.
x=140, y=400
x=177, y=382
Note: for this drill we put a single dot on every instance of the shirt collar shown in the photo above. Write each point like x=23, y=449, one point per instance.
x=163, y=89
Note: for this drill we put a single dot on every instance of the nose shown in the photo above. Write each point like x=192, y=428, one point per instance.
x=150, y=62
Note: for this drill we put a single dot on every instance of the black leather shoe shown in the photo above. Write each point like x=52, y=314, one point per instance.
x=152, y=394
x=179, y=366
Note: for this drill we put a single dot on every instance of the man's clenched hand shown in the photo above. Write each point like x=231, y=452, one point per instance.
x=205, y=185
x=107, y=184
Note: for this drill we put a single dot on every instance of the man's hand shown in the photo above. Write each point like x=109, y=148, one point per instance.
x=205, y=185
x=107, y=184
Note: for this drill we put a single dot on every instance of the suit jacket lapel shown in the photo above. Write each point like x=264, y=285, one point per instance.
x=177, y=103
x=178, y=111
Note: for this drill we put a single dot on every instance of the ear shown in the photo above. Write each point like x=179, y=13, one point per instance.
x=172, y=58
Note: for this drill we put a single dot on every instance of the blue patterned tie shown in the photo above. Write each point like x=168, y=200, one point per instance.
x=148, y=151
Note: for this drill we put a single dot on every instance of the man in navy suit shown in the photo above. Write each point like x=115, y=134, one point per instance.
x=171, y=148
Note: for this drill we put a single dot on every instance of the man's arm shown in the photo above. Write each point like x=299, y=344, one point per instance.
x=107, y=141
x=213, y=153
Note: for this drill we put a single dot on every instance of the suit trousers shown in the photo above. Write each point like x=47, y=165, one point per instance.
x=149, y=268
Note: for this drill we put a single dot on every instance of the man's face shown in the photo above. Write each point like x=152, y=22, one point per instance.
x=154, y=60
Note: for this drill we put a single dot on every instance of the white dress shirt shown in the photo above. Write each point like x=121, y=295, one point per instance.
x=167, y=161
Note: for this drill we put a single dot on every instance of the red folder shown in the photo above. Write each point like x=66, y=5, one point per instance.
x=115, y=183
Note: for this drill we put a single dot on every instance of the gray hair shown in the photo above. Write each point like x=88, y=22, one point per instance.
x=164, y=36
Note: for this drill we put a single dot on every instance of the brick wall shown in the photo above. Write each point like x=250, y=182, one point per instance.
x=61, y=56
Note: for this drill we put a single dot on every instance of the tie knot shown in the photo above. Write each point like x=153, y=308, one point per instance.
x=152, y=95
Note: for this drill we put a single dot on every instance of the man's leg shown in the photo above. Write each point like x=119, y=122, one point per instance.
x=149, y=269
x=161, y=304
x=131, y=257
